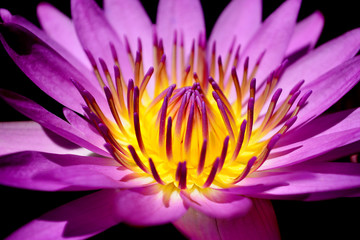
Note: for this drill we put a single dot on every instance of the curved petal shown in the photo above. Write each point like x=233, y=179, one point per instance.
x=217, y=204
x=259, y=223
x=53, y=172
x=25, y=136
x=79, y=219
x=306, y=33
x=272, y=37
x=52, y=122
x=96, y=34
x=308, y=182
x=329, y=88
x=151, y=205
x=134, y=23
x=307, y=142
x=186, y=18
x=239, y=20
x=49, y=70
x=61, y=29
x=321, y=60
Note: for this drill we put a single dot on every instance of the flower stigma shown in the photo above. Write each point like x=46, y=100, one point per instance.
x=197, y=125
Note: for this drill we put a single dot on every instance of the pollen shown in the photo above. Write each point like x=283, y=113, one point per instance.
x=201, y=125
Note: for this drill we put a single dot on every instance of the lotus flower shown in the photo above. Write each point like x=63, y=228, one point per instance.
x=172, y=128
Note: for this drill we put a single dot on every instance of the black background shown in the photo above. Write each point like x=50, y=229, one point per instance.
x=331, y=219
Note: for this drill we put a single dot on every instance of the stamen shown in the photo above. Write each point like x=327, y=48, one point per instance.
x=189, y=127
x=162, y=114
x=238, y=90
x=204, y=121
x=212, y=174
x=265, y=153
x=145, y=81
x=120, y=91
x=128, y=49
x=110, y=99
x=137, y=159
x=130, y=99
x=95, y=68
x=181, y=174
x=137, y=69
x=138, y=133
x=174, y=58
x=213, y=57
x=116, y=155
x=202, y=157
x=154, y=172
x=224, y=115
x=239, y=141
x=246, y=171
x=221, y=73
x=249, y=120
x=223, y=153
x=169, y=153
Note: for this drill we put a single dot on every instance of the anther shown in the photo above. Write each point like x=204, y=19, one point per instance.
x=212, y=174
x=155, y=172
x=137, y=160
x=202, y=157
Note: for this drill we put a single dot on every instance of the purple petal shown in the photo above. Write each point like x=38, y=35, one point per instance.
x=25, y=136
x=240, y=19
x=336, y=130
x=329, y=88
x=96, y=34
x=273, y=37
x=306, y=33
x=217, y=204
x=308, y=181
x=185, y=17
x=52, y=122
x=321, y=60
x=134, y=23
x=53, y=172
x=78, y=219
x=61, y=29
x=49, y=70
x=148, y=206
x=259, y=223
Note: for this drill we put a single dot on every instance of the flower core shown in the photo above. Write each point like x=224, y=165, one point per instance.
x=190, y=130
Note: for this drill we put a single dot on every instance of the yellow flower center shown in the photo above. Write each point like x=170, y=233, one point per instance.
x=190, y=130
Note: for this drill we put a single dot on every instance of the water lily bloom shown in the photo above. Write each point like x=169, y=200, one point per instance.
x=171, y=127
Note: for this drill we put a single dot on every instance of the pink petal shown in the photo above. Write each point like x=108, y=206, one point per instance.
x=217, y=204
x=96, y=34
x=147, y=206
x=240, y=19
x=185, y=17
x=259, y=223
x=52, y=172
x=308, y=181
x=78, y=219
x=306, y=33
x=61, y=29
x=49, y=70
x=25, y=136
x=307, y=142
x=273, y=37
x=52, y=122
x=321, y=60
x=134, y=23
x=329, y=88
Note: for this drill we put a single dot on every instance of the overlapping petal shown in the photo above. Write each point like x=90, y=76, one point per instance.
x=61, y=29
x=307, y=182
x=259, y=223
x=30, y=136
x=79, y=219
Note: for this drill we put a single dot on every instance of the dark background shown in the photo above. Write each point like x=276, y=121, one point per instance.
x=331, y=219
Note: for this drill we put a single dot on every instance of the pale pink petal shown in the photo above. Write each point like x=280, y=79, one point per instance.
x=52, y=122
x=259, y=223
x=49, y=70
x=272, y=37
x=239, y=20
x=129, y=18
x=321, y=60
x=307, y=181
x=96, y=34
x=53, y=172
x=30, y=136
x=186, y=18
x=61, y=29
x=148, y=206
x=78, y=219
x=217, y=204
x=306, y=33
x=336, y=130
